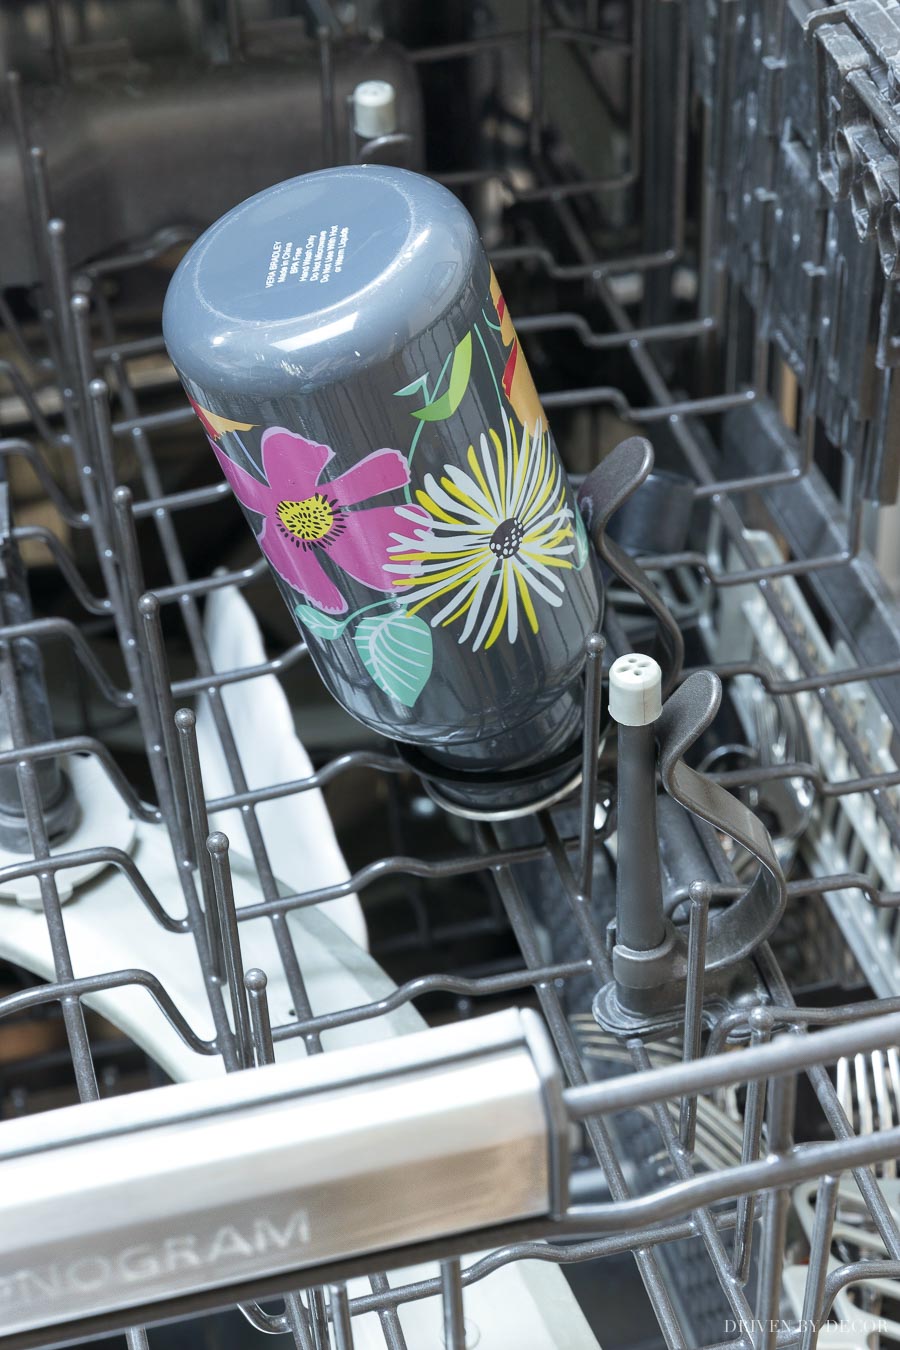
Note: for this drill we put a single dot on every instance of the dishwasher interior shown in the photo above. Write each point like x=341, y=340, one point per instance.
x=693, y=207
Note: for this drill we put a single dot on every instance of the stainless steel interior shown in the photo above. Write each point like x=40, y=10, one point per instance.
x=693, y=208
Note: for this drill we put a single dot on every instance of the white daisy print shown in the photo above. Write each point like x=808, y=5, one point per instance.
x=498, y=539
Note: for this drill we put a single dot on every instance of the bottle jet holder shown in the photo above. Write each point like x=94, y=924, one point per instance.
x=663, y=970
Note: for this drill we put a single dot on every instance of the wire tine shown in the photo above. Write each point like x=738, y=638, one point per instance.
x=593, y=693
x=754, y=1110
x=186, y=725
x=693, y=1006
x=36, y=173
x=318, y=1317
x=842, y=1086
x=341, y=1320
x=298, y=1321
x=452, y=1299
x=255, y=983
x=218, y=847
x=87, y=409
x=819, y=1252
x=98, y=396
x=167, y=751
x=782, y=1096
x=60, y=286
x=102, y=441
x=128, y=552
x=863, y=1093
x=80, y=308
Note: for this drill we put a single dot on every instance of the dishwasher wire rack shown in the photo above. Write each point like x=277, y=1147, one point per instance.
x=782, y=542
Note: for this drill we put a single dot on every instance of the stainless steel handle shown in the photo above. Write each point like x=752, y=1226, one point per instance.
x=198, y=1186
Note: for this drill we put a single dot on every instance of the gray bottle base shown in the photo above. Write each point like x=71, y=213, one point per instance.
x=498, y=796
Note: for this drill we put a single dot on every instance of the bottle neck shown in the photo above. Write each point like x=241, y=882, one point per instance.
x=538, y=738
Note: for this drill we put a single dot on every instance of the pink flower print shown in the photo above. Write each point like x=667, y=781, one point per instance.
x=305, y=520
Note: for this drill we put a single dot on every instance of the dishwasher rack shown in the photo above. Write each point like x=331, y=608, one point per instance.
x=776, y=588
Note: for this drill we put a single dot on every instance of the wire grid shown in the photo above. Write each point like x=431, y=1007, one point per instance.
x=87, y=359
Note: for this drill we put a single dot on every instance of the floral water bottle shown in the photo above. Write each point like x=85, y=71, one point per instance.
x=346, y=346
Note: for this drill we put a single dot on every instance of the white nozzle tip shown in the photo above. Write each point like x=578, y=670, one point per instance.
x=374, y=109
x=635, y=690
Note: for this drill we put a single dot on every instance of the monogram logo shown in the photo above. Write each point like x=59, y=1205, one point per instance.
x=168, y=1261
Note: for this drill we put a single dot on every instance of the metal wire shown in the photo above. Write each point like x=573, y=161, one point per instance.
x=67, y=411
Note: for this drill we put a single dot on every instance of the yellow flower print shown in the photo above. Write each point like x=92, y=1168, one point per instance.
x=497, y=539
